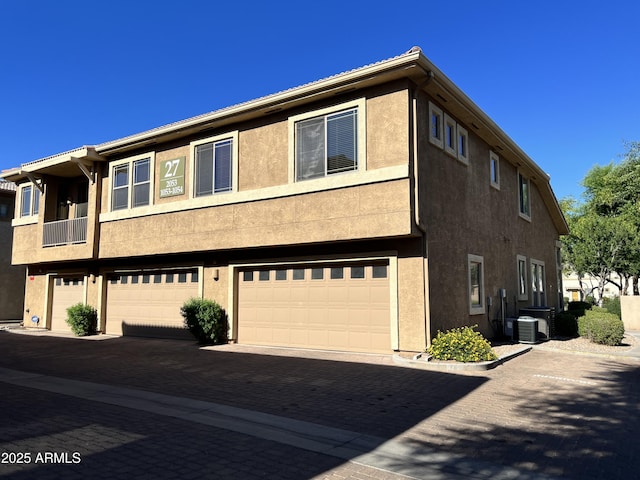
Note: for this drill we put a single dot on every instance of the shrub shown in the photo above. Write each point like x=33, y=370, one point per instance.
x=578, y=308
x=206, y=320
x=602, y=327
x=461, y=344
x=566, y=324
x=83, y=319
x=612, y=305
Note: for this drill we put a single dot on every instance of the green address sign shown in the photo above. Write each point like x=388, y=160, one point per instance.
x=172, y=179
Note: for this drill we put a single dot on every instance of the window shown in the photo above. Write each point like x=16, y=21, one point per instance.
x=317, y=273
x=379, y=271
x=169, y=278
x=538, y=294
x=326, y=145
x=131, y=183
x=524, y=196
x=214, y=166
x=450, y=140
x=298, y=273
x=476, y=284
x=182, y=278
x=29, y=201
x=263, y=275
x=281, y=274
x=337, y=273
x=523, y=294
x=357, y=272
x=247, y=276
x=435, y=125
x=463, y=144
x=494, y=170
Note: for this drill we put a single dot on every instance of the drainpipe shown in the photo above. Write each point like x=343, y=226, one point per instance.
x=416, y=198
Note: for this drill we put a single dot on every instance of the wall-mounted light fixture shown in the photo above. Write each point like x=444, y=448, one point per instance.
x=216, y=274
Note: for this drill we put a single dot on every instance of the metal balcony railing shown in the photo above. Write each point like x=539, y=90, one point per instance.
x=65, y=232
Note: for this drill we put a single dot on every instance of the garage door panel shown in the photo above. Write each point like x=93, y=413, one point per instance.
x=66, y=292
x=332, y=312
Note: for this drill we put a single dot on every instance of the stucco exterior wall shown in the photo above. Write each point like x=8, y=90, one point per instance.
x=35, y=299
x=12, y=278
x=466, y=215
x=630, y=306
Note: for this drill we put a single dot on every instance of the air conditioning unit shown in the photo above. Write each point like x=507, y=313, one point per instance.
x=527, y=330
x=546, y=320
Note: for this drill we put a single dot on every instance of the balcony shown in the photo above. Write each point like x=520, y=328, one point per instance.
x=65, y=232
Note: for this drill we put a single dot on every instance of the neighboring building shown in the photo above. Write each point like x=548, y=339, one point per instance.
x=582, y=288
x=361, y=212
x=11, y=277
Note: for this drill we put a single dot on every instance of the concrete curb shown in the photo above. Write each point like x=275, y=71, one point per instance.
x=424, y=363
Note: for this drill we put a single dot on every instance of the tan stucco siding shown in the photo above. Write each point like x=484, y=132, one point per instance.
x=35, y=300
x=412, y=306
x=342, y=214
x=388, y=130
x=263, y=157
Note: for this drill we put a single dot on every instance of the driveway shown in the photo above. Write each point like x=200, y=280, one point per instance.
x=543, y=414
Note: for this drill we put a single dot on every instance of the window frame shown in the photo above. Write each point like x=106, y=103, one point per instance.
x=463, y=153
x=228, y=136
x=436, y=118
x=479, y=308
x=522, y=278
x=527, y=181
x=494, y=169
x=538, y=283
x=131, y=184
x=359, y=105
x=450, y=136
x=34, y=201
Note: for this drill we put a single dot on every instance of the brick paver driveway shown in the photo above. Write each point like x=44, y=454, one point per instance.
x=546, y=413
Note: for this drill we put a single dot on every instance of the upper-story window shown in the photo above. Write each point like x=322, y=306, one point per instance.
x=450, y=140
x=29, y=201
x=214, y=164
x=327, y=144
x=131, y=182
x=463, y=144
x=524, y=196
x=436, y=135
x=494, y=170
x=328, y=141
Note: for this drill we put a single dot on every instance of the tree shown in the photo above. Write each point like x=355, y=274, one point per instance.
x=605, y=228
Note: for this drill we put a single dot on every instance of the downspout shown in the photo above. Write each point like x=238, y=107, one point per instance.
x=416, y=204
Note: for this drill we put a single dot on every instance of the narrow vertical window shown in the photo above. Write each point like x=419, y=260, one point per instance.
x=435, y=125
x=524, y=196
x=141, y=182
x=463, y=144
x=538, y=293
x=494, y=170
x=213, y=168
x=120, y=192
x=25, y=202
x=450, y=141
x=523, y=293
x=476, y=284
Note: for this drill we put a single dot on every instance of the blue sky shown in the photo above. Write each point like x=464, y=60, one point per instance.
x=559, y=77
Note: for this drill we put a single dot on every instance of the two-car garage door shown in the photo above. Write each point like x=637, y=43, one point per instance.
x=332, y=307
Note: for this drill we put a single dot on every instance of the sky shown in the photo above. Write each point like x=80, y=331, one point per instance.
x=560, y=77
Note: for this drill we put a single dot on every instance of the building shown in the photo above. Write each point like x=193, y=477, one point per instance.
x=584, y=287
x=361, y=212
x=12, y=278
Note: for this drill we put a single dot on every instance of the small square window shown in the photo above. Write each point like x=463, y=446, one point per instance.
x=182, y=277
x=298, y=273
x=379, y=271
x=247, y=276
x=317, y=273
x=134, y=278
x=169, y=278
x=124, y=280
x=337, y=273
x=194, y=277
x=357, y=272
x=59, y=282
x=113, y=280
x=281, y=274
x=157, y=278
x=263, y=275
x=146, y=278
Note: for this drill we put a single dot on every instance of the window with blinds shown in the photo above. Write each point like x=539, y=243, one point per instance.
x=326, y=145
x=213, y=167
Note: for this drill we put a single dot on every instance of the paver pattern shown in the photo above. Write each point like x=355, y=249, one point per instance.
x=547, y=413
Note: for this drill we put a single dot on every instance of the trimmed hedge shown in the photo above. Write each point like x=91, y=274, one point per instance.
x=601, y=327
x=206, y=320
x=566, y=324
x=461, y=344
x=83, y=319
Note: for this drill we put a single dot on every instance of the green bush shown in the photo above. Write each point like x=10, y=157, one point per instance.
x=612, y=305
x=566, y=324
x=206, y=320
x=578, y=308
x=602, y=327
x=83, y=319
x=461, y=344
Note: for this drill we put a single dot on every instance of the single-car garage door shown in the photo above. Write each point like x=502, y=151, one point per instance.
x=330, y=307
x=148, y=304
x=67, y=291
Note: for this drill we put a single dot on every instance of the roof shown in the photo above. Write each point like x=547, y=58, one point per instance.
x=7, y=186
